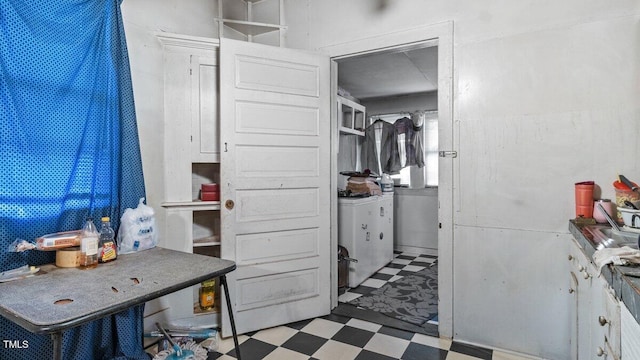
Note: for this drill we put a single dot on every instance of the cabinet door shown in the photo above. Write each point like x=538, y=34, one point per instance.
x=275, y=183
x=205, y=145
x=630, y=335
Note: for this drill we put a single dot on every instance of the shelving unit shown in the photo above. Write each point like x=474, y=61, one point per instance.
x=191, y=158
x=250, y=18
x=351, y=116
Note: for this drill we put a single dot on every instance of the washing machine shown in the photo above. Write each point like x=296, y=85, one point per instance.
x=365, y=229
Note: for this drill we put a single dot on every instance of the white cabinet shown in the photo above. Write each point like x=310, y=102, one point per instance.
x=191, y=158
x=595, y=311
x=365, y=229
x=351, y=116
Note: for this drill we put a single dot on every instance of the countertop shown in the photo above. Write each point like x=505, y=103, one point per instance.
x=626, y=288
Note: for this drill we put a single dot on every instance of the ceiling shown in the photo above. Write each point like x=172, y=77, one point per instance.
x=390, y=73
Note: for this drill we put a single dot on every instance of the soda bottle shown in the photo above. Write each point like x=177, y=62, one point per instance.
x=89, y=245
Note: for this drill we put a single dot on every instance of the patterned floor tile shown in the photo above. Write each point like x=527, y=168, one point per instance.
x=348, y=296
x=417, y=351
x=364, y=325
x=374, y=283
x=353, y=336
x=282, y=353
x=275, y=336
x=475, y=351
x=253, y=349
x=323, y=328
x=335, y=350
x=387, y=345
x=370, y=355
x=303, y=343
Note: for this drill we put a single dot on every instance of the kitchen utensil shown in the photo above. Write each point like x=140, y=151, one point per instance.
x=627, y=182
x=613, y=224
x=630, y=217
x=631, y=205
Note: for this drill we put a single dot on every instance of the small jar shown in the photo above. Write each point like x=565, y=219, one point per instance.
x=608, y=207
x=207, y=294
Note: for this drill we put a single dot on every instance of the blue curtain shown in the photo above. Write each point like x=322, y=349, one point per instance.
x=69, y=148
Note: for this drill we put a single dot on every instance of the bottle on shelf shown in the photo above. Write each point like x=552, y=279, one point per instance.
x=89, y=245
x=207, y=294
x=107, y=250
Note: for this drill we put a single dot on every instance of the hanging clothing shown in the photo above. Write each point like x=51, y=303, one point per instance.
x=383, y=158
x=409, y=142
x=69, y=147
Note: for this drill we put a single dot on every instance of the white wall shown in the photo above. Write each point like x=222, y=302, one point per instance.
x=415, y=219
x=537, y=85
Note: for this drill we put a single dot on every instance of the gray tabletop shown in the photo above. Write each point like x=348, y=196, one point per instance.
x=56, y=299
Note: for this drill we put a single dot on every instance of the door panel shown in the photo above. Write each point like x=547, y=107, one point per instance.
x=277, y=75
x=275, y=161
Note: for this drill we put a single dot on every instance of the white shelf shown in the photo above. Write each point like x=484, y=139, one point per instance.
x=250, y=28
x=350, y=131
x=193, y=205
x=208, y=241
x=355, y=116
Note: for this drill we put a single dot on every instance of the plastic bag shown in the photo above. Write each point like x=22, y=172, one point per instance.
x=137, y=229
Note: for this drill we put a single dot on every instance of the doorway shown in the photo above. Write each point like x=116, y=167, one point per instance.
x=439, y=36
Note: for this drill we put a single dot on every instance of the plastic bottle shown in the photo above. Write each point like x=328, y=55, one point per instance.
x=89, y=245
x=107, y=250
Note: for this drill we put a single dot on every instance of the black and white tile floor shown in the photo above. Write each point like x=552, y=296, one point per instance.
x=335, y=337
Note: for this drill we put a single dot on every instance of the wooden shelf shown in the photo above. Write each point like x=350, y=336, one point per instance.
x=208, y=241
x=347, y=130
x=355, y=116
x=193, y=205
x=250, y=27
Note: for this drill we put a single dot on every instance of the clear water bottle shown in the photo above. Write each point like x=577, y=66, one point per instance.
x=89, y=245
x=107, y=250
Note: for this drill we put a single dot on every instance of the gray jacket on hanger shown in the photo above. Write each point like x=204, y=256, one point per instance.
x=389, y=158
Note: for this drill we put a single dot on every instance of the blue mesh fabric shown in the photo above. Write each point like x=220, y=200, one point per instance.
x=68, y=148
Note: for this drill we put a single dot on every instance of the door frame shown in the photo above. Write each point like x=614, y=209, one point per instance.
x=442, y=35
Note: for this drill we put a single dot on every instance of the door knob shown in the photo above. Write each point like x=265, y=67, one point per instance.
x=602, y=320
x=229, y=204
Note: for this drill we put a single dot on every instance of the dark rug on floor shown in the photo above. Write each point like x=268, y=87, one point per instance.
x=413, y=298
x=351, y=311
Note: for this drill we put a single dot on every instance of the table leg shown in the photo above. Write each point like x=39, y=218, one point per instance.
x=56, y=337
x=223, y=282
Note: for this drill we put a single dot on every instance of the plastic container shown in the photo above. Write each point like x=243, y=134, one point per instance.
x=608, y=207
x=623, y=192
x=89, y=245
x=386, y=184
x=584, y=199
x=107, y=249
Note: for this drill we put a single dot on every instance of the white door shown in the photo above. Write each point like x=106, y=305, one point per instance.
x=275, y=183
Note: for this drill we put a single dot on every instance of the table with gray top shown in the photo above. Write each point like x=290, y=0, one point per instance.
x=56, y=299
